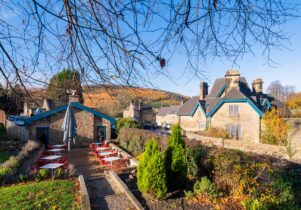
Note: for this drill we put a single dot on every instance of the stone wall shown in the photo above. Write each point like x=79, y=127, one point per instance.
x=195, y=123
x=248, y=146
x=248, y=119
x=148, y=116
x=169, y=118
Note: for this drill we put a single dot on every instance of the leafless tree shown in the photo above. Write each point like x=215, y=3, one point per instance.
x=277, y=90
x=130, y=42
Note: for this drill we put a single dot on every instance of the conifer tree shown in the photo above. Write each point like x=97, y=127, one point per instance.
x=176, y=163
x=151, y=177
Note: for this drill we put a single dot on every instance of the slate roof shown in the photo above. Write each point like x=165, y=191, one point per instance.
x=23, y=120
x=244, y=92
x=169, y=110
x=217, y=86
x=211, y=102
x=234, y=93
x=187, y=107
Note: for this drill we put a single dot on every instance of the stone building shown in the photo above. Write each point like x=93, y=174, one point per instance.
x=231, y=105
x=140, y=112
x=168, y=115
x=92, y=126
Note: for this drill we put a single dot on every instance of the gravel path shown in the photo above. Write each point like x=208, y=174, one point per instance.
x=103, y=194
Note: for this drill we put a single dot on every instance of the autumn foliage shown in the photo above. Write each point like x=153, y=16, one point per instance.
x=275, y=128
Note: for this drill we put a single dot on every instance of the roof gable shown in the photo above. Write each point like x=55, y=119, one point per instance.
x=30, y=120
x=198, y=105
x=246, y=100
x=234, y=93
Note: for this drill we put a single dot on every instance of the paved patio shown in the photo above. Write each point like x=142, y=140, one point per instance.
x=102, y=192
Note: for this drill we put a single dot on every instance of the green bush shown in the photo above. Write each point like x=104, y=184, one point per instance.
x=133, y=139
x=151, y=176
x=126, y=123
x=188, y=194
x=8, y=168
x=205, y=187
x=22, y=178
x=60, y=173
x=277, y=196
x=176, y=163
x=43, y=174
x=2, y=131
x=253, y=204
x=3, y=157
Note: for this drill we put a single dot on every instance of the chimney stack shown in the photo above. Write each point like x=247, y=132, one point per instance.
x=73, y=97
x=257, y=86
x=232, y=79
x=203, y=90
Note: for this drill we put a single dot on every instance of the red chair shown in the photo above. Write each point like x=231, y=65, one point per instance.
x=103, y=163
x=113, y=155
x=41, y=162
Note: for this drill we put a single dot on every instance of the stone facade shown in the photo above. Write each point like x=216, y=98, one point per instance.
x=140, y=112
x=194, y=123
x=248, y=120
x=231, y=105
x=86, y=127
x=169, y=119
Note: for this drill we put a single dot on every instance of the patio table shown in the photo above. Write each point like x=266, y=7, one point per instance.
x=58, y=145
x=55, y=150
x=105, y=153
x=111, y=159
x=51, y=157
x=52, y=167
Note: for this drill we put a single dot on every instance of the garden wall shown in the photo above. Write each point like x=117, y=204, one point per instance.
x=133, y=140
x=247, y=146
x=16, y=132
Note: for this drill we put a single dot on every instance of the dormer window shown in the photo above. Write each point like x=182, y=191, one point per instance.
x=233, y=110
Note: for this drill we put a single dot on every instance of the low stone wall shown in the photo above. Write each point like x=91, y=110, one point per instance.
x=124, y=189
x=133, y=161
x=247, y=146
x=84, y=196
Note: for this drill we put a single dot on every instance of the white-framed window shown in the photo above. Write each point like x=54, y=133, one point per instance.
x=234, y=130
x=233, y=110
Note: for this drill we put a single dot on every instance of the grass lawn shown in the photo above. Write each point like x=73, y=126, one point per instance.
x=3, y=157
x=53, y=194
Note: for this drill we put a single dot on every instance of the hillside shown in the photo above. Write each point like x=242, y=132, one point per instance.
x=113, y=99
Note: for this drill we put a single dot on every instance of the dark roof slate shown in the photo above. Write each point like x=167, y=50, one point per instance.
x=210, y=103
x=187, y=107
x=234, y=93
x=169, y=110
x=216, y=88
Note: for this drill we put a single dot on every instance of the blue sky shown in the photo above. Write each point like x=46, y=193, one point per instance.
x=251, y=66
x=287, y=69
